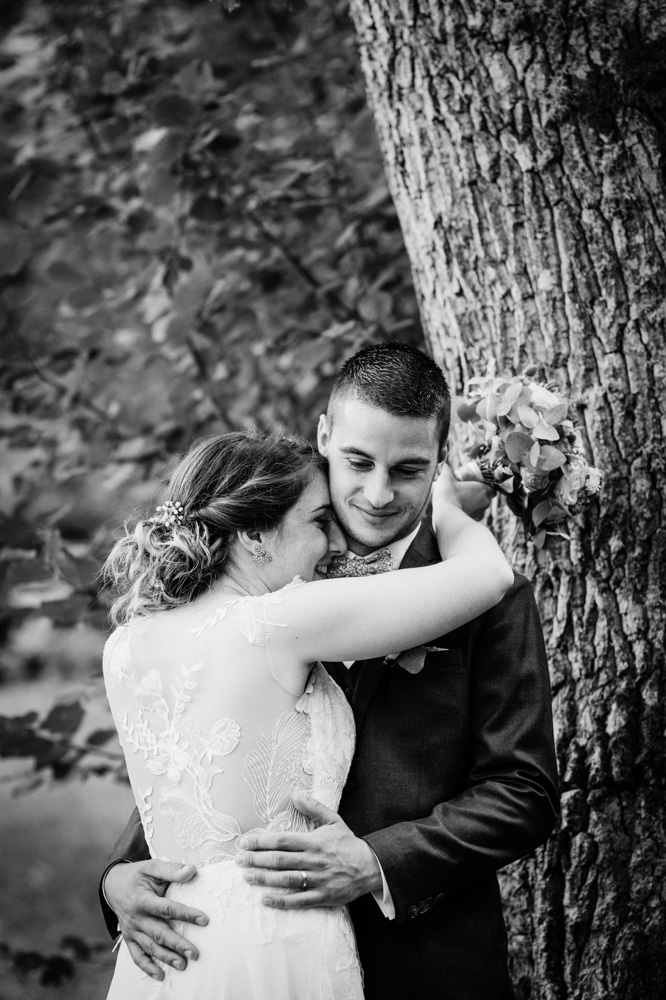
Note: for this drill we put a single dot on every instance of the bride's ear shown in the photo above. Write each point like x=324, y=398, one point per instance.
x=250, y=540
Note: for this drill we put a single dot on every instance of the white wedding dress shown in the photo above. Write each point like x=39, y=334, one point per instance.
x=215, y=744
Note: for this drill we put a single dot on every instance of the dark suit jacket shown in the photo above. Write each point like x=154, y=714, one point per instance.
x=454, y=776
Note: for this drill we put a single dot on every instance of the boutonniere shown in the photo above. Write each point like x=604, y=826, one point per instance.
x=413, y=660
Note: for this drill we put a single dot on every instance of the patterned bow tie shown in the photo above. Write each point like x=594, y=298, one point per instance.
x=377, y=562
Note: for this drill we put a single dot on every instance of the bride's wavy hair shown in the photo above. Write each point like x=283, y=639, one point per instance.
x=240, y=481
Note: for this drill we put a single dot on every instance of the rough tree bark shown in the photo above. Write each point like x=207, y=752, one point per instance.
x=524, y=144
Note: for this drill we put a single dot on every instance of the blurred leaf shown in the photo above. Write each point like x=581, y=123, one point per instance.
x=222, y=141
x=160, y=187
x=17, y=736
x=174, y=111
x=63, y=719
x=207, y=209
x=64, y=274
x=18, y=534
x=15, y=251
x=101, y=736
x=57, y=969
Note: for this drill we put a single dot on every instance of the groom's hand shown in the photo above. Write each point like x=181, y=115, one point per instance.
x=135, y=893
x=339, y=866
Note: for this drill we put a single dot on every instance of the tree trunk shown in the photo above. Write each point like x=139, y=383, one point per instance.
x=524, y=143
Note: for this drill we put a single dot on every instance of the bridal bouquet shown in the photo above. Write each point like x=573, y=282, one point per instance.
x=525, y=445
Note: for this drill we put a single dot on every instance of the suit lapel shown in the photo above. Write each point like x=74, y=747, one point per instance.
x=422, y=552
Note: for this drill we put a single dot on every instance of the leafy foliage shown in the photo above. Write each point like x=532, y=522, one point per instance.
x=525, y=445
x=53, y=969
x=195, y=231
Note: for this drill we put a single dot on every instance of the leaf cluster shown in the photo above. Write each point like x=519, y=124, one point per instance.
x=60, y=744
x=526, y=446
x=195, y=230
x=55, y=968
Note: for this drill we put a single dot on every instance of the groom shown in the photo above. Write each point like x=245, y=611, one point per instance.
x=454, y=773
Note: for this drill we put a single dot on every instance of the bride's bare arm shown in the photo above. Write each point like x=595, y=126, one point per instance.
x=371, y=616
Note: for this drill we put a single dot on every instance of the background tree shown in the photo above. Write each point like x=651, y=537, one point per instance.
x=523, y=143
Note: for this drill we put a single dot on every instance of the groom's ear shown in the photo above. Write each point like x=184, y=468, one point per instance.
x=323, y=435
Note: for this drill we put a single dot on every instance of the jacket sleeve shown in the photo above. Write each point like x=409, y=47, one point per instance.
x=511, y=801
x=131, y=846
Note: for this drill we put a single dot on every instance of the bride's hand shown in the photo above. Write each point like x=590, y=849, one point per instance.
x=456, y=532
x=444, y=494
x=471, y=497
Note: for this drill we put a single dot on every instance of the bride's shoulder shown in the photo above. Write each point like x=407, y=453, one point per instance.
x=115, y=652
x=116, y=636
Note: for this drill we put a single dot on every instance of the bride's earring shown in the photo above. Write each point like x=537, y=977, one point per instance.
x=261, y=556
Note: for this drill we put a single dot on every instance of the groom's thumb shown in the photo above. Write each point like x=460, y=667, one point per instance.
x=313, y=809
x=170, y=871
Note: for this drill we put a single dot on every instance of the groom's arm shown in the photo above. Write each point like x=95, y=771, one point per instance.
x=509, y=807
x=132, y=898
x=130, y=846
x=511, y=803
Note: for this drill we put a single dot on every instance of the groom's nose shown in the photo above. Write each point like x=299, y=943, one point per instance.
x=377, y=489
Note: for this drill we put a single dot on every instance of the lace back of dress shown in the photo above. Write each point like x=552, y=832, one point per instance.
x=214, y=744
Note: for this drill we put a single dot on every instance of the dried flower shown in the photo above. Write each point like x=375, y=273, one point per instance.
x=169, y=513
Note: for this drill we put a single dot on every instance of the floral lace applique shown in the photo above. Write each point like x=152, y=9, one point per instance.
x=180, y=750
x=309, y=747
x=116, y=659
x=251, y=615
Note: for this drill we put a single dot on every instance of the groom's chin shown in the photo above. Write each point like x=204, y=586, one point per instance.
x=369, y=538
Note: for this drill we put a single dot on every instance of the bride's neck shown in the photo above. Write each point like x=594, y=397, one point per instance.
x=237, y=583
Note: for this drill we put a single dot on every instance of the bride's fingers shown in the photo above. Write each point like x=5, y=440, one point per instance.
x=140, y=958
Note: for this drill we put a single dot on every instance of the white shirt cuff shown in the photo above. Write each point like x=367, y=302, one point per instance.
x=120, y=861
x=383, y=899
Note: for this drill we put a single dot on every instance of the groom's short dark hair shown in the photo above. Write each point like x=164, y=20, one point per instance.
x=398, y=378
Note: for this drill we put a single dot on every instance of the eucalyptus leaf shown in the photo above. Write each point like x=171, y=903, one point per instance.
x=550, y=458
x=518, y=446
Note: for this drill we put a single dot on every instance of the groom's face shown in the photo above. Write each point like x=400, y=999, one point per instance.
x=381, y=468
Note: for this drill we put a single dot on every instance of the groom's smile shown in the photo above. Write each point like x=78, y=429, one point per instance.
x=381, y=468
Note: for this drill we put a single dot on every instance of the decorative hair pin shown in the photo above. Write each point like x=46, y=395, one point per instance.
x=169, y=513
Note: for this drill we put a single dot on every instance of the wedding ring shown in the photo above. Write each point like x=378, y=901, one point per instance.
x=304, y=876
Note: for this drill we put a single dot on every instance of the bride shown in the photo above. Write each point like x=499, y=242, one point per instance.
x=223, y=709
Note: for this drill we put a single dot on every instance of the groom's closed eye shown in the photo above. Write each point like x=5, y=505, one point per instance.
x=409, y=473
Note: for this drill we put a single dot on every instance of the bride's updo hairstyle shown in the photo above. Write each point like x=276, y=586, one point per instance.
x=232, y=482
